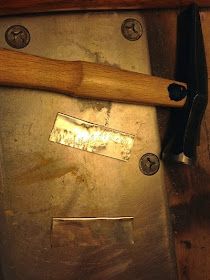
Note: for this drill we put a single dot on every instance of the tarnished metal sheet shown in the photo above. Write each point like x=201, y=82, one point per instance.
x=41, y=180
x=92, y=232
x=91, y=137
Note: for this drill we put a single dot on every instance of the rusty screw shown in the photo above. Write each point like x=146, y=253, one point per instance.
x=131, y=29
x=17, y=36
x=149, y=164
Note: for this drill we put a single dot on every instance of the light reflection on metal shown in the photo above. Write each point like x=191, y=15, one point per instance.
x=92, y=231
x=91, y=137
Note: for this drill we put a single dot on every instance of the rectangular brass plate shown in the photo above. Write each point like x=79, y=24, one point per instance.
x=92, y=231
x=91, y=137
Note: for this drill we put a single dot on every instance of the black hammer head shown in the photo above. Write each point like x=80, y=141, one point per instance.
x=184, y=126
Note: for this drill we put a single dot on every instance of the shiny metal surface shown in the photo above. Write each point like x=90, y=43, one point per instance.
x=41, y=180
x=91, y=137
x=180, y=158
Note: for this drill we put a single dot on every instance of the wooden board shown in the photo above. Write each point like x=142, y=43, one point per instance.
x=24, y=6
x=188, y=188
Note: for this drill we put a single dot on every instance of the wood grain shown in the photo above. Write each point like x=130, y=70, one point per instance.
x=23, y=6
x=83, y=79
x=188, y=187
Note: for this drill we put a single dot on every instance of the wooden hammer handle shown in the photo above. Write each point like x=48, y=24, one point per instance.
x=83, y=79
x=24, y=6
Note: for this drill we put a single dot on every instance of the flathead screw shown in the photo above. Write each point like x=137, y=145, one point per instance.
x=131, y=29
x=149, y=164
x=17, y=36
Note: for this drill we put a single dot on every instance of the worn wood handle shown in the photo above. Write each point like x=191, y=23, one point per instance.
x=83, y=79
x=24, y=6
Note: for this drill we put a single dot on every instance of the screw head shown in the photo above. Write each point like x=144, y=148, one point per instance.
x=17, y=36
x=149, y=164
x=131, y=29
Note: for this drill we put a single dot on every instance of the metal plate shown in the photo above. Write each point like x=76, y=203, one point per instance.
x=41, y=180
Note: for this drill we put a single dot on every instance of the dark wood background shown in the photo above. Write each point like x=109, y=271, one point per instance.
x=188, y=187
x=24, y=6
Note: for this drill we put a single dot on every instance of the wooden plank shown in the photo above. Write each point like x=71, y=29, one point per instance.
x=205, y=17
x=189, y=198
x=188, y=188
x=23, y=6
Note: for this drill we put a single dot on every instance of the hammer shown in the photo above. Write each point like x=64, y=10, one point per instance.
x=188, y=98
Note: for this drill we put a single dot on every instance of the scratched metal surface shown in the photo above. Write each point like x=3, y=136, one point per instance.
x=41, y=180
x=91, y=137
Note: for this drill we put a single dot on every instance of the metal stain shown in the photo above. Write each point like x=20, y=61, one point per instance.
x=90, y=137
x=87, y=232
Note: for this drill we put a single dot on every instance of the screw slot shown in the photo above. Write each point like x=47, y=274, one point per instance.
x=149, y=164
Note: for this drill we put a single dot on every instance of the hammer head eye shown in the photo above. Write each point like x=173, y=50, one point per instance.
x=177, y=92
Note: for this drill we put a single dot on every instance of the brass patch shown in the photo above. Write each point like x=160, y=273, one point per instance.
x=92, y=231
x=91, y=137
